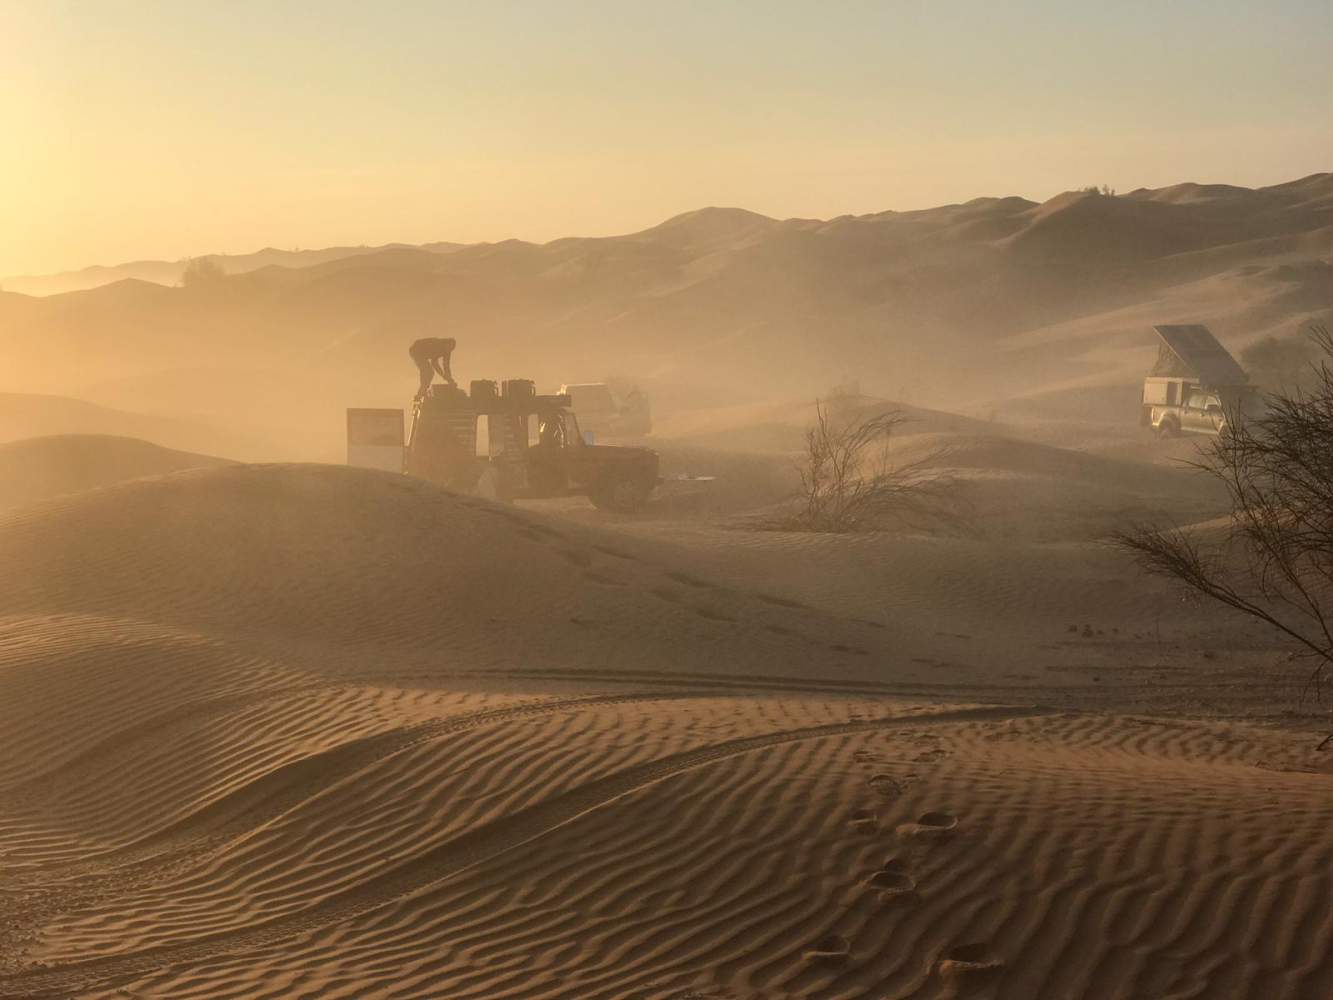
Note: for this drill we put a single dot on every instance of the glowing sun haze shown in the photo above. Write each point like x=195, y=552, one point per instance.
x=165, y=129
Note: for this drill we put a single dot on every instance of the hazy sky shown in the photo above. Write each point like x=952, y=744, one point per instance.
x=146, y=129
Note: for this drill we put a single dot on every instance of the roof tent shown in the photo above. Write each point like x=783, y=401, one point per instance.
x=1191, y=351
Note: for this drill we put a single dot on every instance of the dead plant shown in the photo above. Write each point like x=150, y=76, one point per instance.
x=1274, y=560
x=850, y=483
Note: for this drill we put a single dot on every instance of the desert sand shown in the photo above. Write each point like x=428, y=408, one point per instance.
x=33, y=469
x=278, y=728
x=308, y=731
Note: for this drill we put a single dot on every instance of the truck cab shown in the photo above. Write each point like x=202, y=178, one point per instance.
x=1174, y=406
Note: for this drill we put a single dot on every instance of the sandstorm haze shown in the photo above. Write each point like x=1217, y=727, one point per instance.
x=803, y=650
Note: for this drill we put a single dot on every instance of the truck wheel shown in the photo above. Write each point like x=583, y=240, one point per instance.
x=1168, y=429
x=621, y=494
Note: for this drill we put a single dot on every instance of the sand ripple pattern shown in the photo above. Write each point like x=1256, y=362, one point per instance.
x=649, y=845
x=385, y=742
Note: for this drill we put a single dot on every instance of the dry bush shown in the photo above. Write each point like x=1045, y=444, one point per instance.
x=1275, y=560
x=849, y=483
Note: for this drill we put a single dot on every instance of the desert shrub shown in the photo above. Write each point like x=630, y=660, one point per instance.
x=1274, y=560
x=849, y=482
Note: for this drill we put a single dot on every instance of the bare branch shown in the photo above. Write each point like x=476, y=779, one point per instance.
x=1274, y=561
x=850, y=483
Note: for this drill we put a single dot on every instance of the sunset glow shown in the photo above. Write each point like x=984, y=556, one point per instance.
x=155, y=129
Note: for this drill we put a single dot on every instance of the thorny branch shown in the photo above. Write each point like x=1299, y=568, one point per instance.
x=1274, y=559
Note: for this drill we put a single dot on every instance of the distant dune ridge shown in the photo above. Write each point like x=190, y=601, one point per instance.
x=31, y=415
x=957, y=306
x=40, y=468
x=164, y=272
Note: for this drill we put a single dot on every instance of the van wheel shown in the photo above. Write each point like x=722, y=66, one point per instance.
x=621, y=494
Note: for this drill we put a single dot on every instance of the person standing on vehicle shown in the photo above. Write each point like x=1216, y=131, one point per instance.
x=432, y=355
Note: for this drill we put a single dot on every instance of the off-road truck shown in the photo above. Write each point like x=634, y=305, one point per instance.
x=510, y=443
x=1196, y=387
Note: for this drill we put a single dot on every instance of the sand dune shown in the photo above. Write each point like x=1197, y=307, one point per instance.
x=1020, y=596
x=29, y=415
x=309, y=731
x=164, y=272
x=780, y=427
x=334, y=555
x=285, y=731
x=735, y=847
x=32, y=415
x=914, y=304
x=39, y=468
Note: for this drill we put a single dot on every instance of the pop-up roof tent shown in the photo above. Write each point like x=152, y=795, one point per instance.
x=1193, y=352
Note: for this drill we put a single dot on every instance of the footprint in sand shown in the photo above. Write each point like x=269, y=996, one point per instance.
x=865, y=819
x=886, y=785
x=829, y=949
x=967, y=965
x=931, y=824
x=892, y=884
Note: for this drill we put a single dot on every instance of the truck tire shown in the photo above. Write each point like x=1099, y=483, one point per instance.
x=1168, y=428
x=621, y=494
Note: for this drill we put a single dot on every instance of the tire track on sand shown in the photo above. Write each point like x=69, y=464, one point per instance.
x=452, y=857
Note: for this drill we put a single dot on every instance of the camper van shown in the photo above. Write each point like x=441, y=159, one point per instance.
x=1196, y=387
